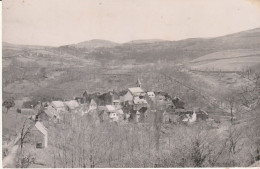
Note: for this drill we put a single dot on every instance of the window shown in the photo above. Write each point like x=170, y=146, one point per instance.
x=39, y=145
x=141, y=97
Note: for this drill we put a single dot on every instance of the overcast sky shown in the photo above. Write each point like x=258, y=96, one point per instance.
x=60, y=22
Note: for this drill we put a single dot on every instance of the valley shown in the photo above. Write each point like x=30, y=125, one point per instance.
x=217, y=75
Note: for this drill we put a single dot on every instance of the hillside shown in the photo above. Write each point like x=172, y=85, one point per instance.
x=29, y=69
x=229, y=60
x=145, y=41
x=95, y=43
x=179, y=51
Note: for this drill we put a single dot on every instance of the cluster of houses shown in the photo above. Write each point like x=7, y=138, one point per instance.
x=133, y=105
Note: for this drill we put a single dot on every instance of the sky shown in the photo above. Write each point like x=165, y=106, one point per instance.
x=61, y=22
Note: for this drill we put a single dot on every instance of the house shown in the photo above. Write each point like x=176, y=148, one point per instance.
x=122, y=99
x=100, y=99
x=72, y=104
x=42, y=115
x=50, y=111
x=191, y=115
x=83, y=109
x=134, y=93
x=121, y=115
x=92, y=105
x=39, y=135
x=151, y=95
x=113, y=115
x=136, y=104
x=116, y=103
x=80, y=100
x=183, y=114
x=59, y=106
x=201, y=114
x=190, y=118
x=86, y=108
x=53, y=114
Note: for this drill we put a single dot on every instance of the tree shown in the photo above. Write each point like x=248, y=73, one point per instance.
x=234, y=136
x=8, y=104
x=24, y=132
x=231, y=100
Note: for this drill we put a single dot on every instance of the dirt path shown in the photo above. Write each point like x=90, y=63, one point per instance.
x=9, y=161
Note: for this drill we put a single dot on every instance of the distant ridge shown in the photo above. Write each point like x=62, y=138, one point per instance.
x=145, y=41
x=7, y=44
x=95, y=43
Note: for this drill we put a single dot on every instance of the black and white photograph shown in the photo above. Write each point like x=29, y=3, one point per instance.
x=130, y=83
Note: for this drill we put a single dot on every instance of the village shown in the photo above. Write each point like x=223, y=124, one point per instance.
x=130, y=106
x=130, y=84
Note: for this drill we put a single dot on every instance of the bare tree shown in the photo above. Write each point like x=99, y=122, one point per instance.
x=234, y=135
x=26, y=127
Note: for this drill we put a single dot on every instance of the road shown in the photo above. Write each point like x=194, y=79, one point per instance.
x=9, y=161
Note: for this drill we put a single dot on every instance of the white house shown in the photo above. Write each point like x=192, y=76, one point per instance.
x=72, y=104
x=190, y=118
x=59, y=106
x=134, y=92
x=92, y=105
x=40, y=135
x=151, y=95
x=115, y=114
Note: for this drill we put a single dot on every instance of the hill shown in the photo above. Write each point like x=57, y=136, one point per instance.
x=145, y=41
x=95, y=43
x=178, y=51
x=229, y=60
x=10, y=45
x=28, y=69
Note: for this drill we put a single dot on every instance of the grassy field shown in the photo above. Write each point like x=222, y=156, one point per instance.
x=231, y=60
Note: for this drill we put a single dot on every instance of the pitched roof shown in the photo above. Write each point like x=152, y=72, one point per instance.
x=110, y=107
x=136, y=90
x=72, y=104
x=49, y=112
x=117, y=101
x=92, y=102
x=120, y=111
x=58, y=104
x=41, y=128
x=102, y=108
